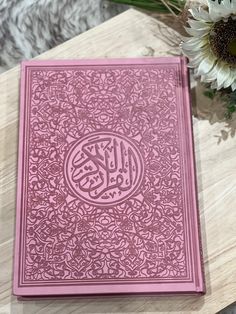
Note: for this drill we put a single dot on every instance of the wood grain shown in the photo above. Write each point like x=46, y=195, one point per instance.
x=134, y=34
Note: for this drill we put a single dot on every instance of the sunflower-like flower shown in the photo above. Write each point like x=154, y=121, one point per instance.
x=212, y=47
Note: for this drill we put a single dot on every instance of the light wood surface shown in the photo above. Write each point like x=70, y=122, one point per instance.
x=135, y=34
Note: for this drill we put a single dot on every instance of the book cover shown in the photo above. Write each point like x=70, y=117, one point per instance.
x=106, y=195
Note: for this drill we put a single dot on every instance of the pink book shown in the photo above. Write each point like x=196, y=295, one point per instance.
x=106, y=200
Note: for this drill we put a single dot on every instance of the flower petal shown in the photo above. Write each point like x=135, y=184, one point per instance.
x=230, y=6
x=196, y=32
x=214, y=85
x=206, y=65
x=197, y=60
x=220, y=10
x=233, y=86
x=192, y=53
x=216, y=10
x=200, y=25
x=211, y=75
x=194, y=46
x=200, y=14
x=222, y=73
x=230, y=79
x=233, y=74
x=194, y=40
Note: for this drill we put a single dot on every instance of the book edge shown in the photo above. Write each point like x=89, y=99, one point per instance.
x=197, y=226
x=19, y=176
x=102, y=61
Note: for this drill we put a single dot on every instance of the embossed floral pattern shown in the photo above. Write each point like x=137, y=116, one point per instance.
x=142, y=234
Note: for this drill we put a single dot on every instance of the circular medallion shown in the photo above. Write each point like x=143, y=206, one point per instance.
x=103, y=168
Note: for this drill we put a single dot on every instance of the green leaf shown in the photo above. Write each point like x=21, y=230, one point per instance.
x=154, y=5
x=231, y=108
x=210, y=93
x=226, y=96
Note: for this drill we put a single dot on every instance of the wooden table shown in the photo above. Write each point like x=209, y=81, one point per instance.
x=135, y=34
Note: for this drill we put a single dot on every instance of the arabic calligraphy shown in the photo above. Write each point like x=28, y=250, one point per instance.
x=104, y=168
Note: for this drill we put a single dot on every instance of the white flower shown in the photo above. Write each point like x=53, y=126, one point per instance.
x=212, y=47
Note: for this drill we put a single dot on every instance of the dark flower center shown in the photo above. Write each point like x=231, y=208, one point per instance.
x=232, y=47
x=223, y=40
